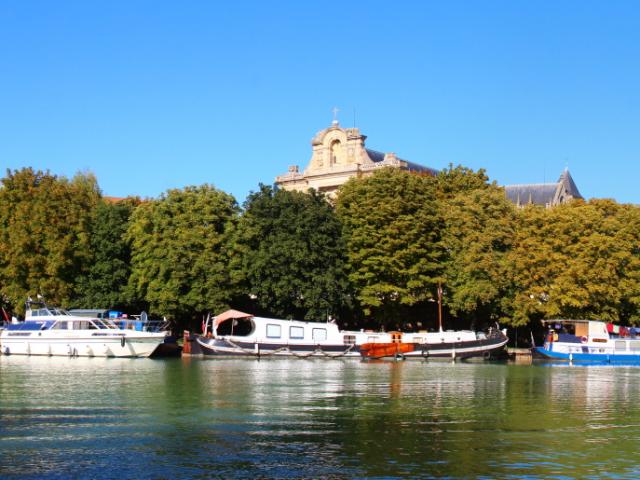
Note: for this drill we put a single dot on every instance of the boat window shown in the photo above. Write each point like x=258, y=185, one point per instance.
x=35, y=313
x=418, y=340
x=634, y=346
x=372, y=339
x=25, y=326
x=60, y=326
x=319, y=334
x=273, y=331
x=621, y=345
x=296, y=332
x=349, y=339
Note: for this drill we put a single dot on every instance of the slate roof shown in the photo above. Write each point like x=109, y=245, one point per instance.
x=377, y=156
x=546, y=194
x=536, y=193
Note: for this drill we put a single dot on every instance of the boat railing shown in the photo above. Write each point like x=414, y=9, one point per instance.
x=494, y=332
x=154, y=326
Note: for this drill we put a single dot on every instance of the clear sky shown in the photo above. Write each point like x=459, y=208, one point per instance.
x=152, y=95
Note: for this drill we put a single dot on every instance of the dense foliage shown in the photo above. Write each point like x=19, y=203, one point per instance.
x=45, y=225
x=104, y=284
x=392, y=229
x=374, y=258
x=289, y=255
x=478, y=235
x=580, y=260
x=178, y=260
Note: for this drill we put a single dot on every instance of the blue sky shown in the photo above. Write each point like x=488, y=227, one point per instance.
x=152, y=95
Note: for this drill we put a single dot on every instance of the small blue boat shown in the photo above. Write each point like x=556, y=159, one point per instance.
x=590, y=341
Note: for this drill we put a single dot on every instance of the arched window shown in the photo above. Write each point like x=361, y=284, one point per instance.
x=335, y=150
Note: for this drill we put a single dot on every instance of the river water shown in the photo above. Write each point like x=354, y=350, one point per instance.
x=194, y=418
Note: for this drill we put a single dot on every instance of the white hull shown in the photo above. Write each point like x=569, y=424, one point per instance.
x=82, y=347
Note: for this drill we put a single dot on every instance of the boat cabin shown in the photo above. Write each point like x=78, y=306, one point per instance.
x=274, y=329
x=39, y=316
x=576, y=331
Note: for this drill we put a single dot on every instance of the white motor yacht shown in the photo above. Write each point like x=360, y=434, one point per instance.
x=54, y=332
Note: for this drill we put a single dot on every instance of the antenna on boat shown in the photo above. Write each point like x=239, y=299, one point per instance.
x=440, y=306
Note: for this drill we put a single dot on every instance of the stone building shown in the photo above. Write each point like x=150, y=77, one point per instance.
x=340, y=153
x=337, y=155
x=545, y=194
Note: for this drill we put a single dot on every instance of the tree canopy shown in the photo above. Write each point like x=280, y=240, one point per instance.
x=289, y=255
x=45, y=222
x=375, y=258
x=104, y=284
x=178, y=261
x=477, y=238
x=392, y=228
x=578, y=260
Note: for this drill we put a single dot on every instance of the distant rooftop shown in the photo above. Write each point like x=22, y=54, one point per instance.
x=545, y=194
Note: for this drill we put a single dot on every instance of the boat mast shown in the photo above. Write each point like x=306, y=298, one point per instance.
x=440, y=306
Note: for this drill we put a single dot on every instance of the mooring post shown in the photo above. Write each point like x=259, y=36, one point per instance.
x=186, y=345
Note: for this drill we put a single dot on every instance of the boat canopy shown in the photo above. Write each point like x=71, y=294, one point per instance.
x=229, y=314
x=563, y=320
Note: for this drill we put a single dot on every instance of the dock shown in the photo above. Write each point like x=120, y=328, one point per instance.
x=520, y=355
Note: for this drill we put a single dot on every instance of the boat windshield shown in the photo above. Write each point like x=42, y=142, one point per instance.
x=49, y=312
x=104, y=323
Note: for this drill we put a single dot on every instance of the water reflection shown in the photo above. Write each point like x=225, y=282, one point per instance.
x=282, y=418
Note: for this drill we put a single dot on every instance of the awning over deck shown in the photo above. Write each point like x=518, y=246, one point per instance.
x=228, y=315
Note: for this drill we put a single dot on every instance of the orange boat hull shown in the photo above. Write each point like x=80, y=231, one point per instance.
x=379, y=350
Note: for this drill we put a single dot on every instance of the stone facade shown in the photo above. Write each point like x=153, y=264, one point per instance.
x=339, y=154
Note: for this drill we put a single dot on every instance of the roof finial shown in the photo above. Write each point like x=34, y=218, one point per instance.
x=335, y=111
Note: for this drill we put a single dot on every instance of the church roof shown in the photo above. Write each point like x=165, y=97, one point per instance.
x=535, y=193
x=544, y=193
x=570, y=185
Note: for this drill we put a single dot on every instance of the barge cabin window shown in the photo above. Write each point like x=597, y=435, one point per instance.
x=319, y=334
x=296, y=333
x=273, y=331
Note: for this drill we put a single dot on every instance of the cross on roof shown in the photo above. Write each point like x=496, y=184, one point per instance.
x=335, y=111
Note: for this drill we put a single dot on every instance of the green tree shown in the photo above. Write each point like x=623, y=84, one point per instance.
x=578, y=260
x=45, y=223
x=480, y=226
x=104, y=285
x=178, y=261
x=392, y=226
x=453, y=181
x=290, y=254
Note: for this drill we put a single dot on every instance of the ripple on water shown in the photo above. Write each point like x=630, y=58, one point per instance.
x=87, y=418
